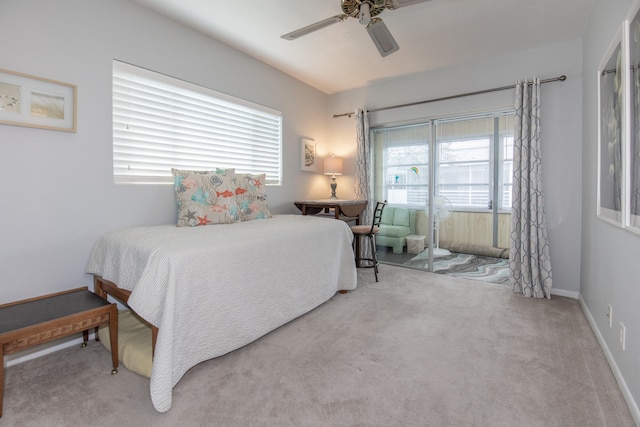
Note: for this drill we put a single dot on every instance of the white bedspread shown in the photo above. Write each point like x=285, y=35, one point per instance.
x=216, y=288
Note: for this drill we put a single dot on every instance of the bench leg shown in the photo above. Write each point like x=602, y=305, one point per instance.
x=113, y=338
x=85, y=338
x=1, y=376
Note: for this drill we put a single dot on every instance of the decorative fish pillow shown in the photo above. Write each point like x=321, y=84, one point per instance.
x=206, y=197
x=251, y=196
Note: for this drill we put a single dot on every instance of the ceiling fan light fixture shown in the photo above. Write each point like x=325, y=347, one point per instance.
x=364, y=16
x=382, y=37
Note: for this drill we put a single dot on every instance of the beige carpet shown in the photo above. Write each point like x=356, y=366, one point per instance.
x=415, y=349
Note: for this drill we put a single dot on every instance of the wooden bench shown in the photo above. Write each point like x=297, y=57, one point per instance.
x=33, y=321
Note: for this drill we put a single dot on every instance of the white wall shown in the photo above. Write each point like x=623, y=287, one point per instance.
x=610, y=267
x=59, y=195
x=561, y=129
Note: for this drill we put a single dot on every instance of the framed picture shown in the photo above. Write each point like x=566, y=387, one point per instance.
x=611, y=133
x=36, y=102
x=632, y=35
x=308, y=161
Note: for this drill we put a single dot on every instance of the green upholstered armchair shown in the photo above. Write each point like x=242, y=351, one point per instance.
x=396, y=225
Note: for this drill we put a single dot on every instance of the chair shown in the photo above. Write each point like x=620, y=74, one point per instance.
x=368, y=232
x=397, y=223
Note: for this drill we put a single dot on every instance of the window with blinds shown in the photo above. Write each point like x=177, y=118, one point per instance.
x=160, y=123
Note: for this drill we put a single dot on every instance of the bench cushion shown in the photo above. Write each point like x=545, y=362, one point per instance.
x=134, y=342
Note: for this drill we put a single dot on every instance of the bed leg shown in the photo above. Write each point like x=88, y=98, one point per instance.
x=154, y=338
x=342, y=291
x=97, y=287
x=1, y=376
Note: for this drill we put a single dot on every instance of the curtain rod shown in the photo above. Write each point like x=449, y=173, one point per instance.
x=445, y=98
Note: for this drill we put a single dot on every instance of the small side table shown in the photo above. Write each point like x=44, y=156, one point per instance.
x=26, y=323
x=415, y=243
x=344, y=209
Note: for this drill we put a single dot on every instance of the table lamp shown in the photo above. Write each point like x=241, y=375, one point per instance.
x=333, y=167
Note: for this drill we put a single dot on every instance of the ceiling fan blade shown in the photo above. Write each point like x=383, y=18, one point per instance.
x=382, y=37
x=395, y=4
x=314, y=27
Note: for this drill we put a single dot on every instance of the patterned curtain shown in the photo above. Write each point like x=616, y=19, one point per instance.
x=363, y=164
x=529, y=260
x=363, y=171
x=635, y=138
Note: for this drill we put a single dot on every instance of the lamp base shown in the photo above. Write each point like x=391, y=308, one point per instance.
x=334, y=185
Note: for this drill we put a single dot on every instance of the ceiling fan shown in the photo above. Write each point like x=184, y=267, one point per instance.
x=366, y=12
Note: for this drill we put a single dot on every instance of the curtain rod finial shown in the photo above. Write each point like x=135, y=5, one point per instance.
x=562, y=78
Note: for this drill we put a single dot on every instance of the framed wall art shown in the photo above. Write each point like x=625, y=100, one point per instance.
x=308, y=160
x=37, y=102
x=611, y=132
x=632, y=33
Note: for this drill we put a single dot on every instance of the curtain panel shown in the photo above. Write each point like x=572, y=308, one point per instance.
x=363, y=188
x=529, y=260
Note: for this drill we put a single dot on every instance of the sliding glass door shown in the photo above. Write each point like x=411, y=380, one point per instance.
x=464, y=200
x=401, y=174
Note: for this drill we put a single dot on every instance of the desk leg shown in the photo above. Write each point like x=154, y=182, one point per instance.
x=113, y=338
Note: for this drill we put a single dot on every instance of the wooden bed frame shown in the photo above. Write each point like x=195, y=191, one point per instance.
x=103, y=288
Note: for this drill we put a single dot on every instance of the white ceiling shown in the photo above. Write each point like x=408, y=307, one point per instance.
x=431, y=35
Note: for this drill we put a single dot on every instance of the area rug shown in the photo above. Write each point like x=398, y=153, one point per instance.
x=466, y=266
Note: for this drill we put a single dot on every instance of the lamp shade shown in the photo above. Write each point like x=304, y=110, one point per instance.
x=333, y=165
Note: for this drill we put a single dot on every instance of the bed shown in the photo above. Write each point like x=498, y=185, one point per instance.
x=210, y=290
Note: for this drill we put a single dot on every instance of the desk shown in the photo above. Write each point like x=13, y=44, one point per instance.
x=346, y=210
x=39, y=320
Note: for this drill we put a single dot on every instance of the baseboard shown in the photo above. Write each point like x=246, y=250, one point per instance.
x=563, y=293
x=626, y=393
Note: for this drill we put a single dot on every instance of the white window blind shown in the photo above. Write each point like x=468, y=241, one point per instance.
x=161, y=123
